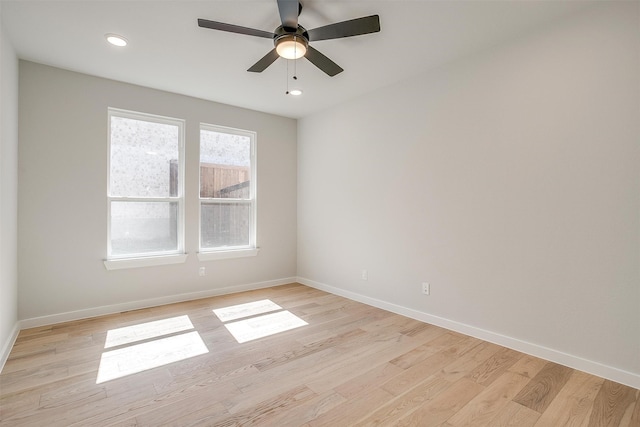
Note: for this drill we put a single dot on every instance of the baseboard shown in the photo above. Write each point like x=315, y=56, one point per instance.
x=575, y=362
x=152, y=302
x=8, y=345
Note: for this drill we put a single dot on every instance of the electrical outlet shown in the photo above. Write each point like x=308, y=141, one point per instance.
x=202, y=271
x=365, y=275
x=426, y=288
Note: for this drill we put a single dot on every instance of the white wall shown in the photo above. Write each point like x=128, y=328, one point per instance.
x=63, y=205
x=8, y=194
x=509, y=180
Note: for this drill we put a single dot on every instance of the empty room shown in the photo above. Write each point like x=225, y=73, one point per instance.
x=319, y=213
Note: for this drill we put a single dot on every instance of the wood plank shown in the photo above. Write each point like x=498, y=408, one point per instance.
x=302, y=351
x=439, y=409
x=406, y=403
x=308, y=410
x=369, y=380
x=412, y=376
x=352, y=410
x=573, y=404
x=494, y=366
x=635, y=417
x=12, y=404
x=265, y=411
x=272, y=378
x=544, y=387
x=83, y=391
x=199, y=408
x=29, y=378
x=350, y=364
x=471, y=360
x=359, y=319
x=516, y=415
x=612, y=403
x=488, y=404
x=130, y=402
x=423, y=352
x=28, y=361
x=528, y=366
x=200, y=378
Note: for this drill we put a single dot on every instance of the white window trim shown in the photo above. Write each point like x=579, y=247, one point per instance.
x=209, y=254
x=227, y=254
x=114, y=262
x=150, y=261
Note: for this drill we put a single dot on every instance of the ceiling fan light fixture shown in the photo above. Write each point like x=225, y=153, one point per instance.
x=291, y=47
x=295, y=92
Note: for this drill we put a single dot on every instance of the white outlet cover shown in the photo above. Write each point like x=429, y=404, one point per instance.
x=426, y=288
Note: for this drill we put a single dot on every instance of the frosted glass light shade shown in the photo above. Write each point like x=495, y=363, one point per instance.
x=291, y=47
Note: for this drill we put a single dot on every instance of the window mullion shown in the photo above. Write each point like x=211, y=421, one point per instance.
x=144, y=199
x=217, y=200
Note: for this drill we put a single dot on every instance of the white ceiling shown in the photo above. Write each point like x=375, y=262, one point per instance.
x=168, y=51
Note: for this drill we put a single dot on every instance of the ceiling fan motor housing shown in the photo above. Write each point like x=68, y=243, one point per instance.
x=291, y=44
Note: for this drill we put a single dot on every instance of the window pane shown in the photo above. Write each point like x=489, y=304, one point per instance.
x=225, y=165
x=226, y=224
x=143, y=227
x=144, y=158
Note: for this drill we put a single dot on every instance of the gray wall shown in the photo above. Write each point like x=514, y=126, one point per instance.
x=8, y=194
x=509, y=180
x=63, y=204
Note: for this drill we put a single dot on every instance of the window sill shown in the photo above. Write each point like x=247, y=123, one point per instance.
x=118, y=264
x=235, y=253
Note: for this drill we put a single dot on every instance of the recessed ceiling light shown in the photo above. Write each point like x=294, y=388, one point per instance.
x=116, y=40
x=295, y=92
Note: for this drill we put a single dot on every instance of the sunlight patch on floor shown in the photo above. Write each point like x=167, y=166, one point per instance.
x=262, y=326
x=145, y=331
x=141, y=357
x=240, y=311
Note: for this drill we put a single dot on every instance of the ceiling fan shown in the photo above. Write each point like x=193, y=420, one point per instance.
x=292, y=40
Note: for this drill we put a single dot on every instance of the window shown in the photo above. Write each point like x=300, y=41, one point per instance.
x=227, y=192
x=145, y=185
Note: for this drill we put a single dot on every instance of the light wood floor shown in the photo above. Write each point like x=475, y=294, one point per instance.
x=352, y=365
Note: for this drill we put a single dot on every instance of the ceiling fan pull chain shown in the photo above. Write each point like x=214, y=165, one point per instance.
x=287, y=92
x=295, y=64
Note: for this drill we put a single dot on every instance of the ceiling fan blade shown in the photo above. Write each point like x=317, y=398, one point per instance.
x=266, y=60
x=353, y=27
x=289, y=11
x=322, y=62
x=204, y=23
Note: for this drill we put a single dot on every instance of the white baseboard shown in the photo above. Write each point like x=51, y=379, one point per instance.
x=575, y=362
x=8, y=345
x=152, y=302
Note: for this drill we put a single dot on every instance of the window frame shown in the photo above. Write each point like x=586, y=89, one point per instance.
x=158, y=257
x=225, y=252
